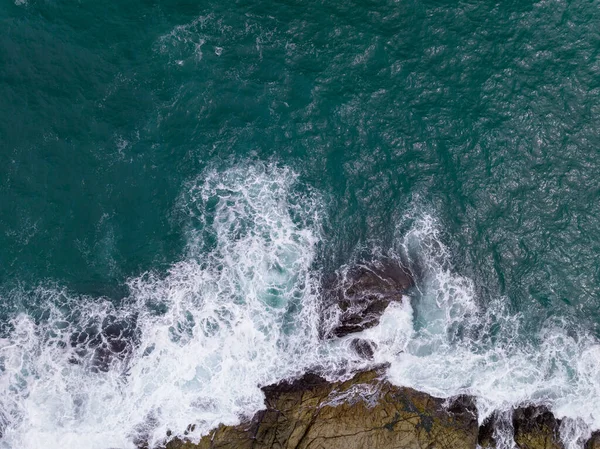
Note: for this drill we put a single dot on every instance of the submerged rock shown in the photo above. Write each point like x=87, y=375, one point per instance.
x=364, y=348
x=106, y=343
x=362, y=293
x=364, y=412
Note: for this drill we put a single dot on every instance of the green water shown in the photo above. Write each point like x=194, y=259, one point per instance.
x=481, y=114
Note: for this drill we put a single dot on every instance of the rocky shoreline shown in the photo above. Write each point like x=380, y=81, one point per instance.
x=367, y=411
x=364, y=412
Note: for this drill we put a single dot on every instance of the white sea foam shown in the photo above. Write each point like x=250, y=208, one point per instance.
x=455, y=345
x=209, y=333
x=185, y=42
x=241, y=310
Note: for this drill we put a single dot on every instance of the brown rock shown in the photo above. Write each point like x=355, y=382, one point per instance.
x=536, y=428
x=364, y=412
x=363, y=293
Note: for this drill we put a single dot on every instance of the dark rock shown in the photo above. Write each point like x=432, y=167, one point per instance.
x=462, y=405
x=535, y=427
x=593, y=442
x=363, y=292
x=306, y=382
x=112, y=341
x=364, y=348
x=485, y=437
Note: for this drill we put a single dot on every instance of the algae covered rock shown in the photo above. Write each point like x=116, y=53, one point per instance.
x=364, y=412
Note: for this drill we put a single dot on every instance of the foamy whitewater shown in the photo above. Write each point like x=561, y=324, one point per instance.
x=241, y=310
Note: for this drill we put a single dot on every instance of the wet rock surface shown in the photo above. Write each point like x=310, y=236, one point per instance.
x=593, y=442
x=486, y=438
x=364, y=348
x=364, y=412
x=536, y=428
x=530, y=427
x=368, y=412
x=363, y=292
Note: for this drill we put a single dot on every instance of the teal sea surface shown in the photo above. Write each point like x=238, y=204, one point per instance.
x=177, y=177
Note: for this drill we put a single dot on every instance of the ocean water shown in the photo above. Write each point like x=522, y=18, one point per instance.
x=178, y=178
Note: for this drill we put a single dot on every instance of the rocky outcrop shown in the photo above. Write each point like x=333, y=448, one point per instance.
x=593, y=442
x=530, y=427
x=364, y=412
x=361, y=294
x=367, y=411
x=536, y=428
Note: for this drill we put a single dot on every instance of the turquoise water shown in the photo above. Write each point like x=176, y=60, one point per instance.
x=140, y=135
